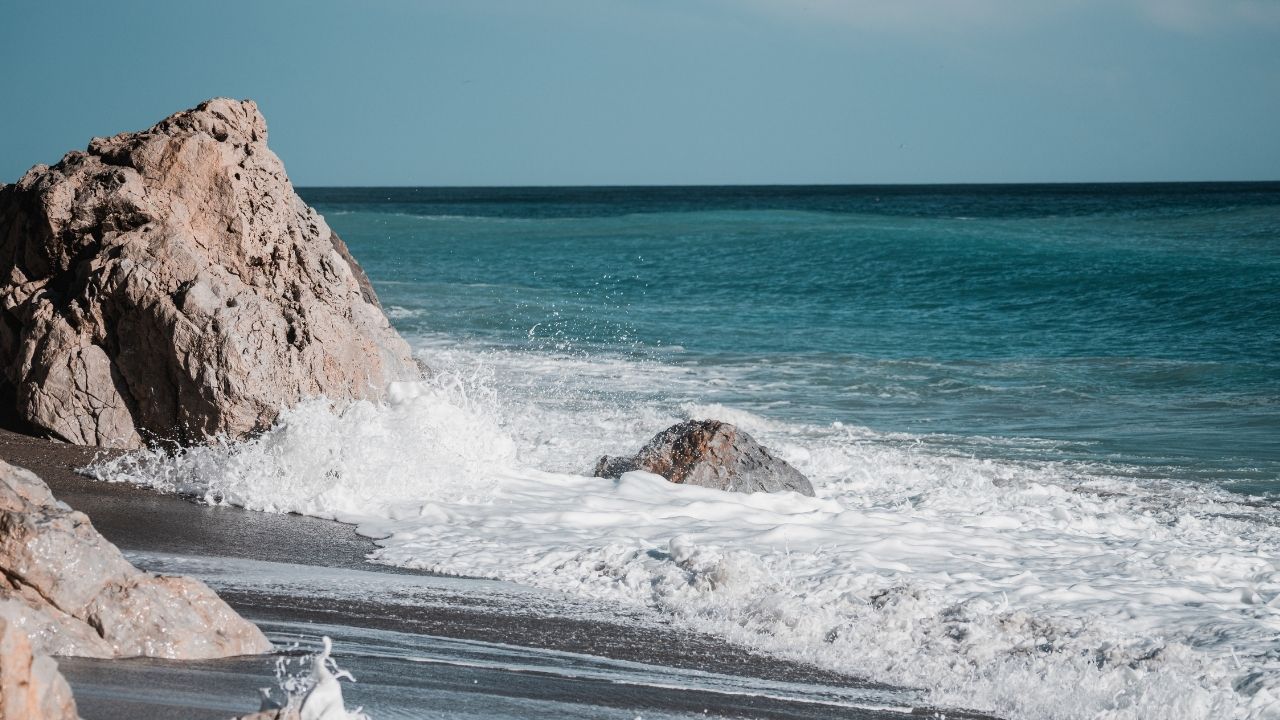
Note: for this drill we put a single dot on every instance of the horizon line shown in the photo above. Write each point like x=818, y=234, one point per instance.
x=795, y=185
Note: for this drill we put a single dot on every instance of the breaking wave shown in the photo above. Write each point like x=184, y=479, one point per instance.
x=1028, y=588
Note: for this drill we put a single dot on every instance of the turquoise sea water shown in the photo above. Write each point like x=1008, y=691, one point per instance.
x=1131, y=327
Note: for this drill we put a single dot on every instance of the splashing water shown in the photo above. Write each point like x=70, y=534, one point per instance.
x=425, y=441
x=1032, y=589
x=313, y=691
x=1020, y=425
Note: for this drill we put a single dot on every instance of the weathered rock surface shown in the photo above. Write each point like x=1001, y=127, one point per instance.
x=72, y=593
x=170, y=284
x=713, y=454
x=31, y=688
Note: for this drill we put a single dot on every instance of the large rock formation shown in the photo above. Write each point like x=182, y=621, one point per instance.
x=31, y=688
x=170, y=284
x=713, y=454
x=72, y=592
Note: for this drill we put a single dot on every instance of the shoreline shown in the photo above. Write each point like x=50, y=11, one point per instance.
x=136, y=518
x=1030, y=467
x=295, y=572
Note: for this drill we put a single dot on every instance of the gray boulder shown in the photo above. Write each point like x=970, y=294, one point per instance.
x=73, y=593
x=712, y=454
x=170, y=284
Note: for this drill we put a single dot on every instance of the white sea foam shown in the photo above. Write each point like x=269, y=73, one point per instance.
x=427, y=441
x=399, y=312
x=313, y=689
x=1036, y=590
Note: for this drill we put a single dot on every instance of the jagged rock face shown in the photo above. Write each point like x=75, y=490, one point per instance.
x=72, y=592
x=31, y=688
x=170, y=284
x=713, y=454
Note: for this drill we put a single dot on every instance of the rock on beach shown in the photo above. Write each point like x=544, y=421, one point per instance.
x=71, y=592
x=31, y=688
x=712, y=454
x=169, y=284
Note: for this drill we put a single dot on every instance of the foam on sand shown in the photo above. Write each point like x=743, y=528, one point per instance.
x=1030, y=589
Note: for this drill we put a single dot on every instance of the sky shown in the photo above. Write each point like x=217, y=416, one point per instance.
x=644, y=92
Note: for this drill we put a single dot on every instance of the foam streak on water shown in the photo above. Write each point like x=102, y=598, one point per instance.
x=1030, y=588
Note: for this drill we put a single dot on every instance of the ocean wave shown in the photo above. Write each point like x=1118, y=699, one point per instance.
x=399, y=312
x=426, y=441
x=1029, y=589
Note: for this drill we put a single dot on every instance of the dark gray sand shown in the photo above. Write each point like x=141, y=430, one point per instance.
x=419, y=645
x=141, y=519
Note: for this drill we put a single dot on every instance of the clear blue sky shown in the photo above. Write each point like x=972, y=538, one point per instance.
x=552, y=92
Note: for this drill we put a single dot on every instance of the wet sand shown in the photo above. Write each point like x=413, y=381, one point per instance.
x=397, y=630
x=137, y=518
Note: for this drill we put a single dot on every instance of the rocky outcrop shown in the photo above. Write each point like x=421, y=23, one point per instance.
x=713, y=454
x=170, y=284
x=31, y=688
x=72, y=593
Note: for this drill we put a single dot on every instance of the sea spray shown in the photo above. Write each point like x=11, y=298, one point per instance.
x=426, y=442
x=312, y=689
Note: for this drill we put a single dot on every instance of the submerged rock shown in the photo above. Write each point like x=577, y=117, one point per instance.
x=73, y=593
x=170, y=284
x=31, y=688
x=712, y=454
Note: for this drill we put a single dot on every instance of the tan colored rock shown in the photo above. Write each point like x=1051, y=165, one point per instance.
x=72, y=592
x=171, y=617
x=712, y=454
x=170, y=284
x=31, y=688
x=50, y=630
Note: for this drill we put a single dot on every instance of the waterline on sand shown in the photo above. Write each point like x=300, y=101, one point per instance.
x=1027, y=588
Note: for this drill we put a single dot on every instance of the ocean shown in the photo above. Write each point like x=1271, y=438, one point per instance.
x=1043, y=422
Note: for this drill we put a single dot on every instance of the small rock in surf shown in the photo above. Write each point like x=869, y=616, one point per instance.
x=711, y=454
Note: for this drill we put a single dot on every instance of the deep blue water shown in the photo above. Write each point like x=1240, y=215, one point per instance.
x=1131, y=325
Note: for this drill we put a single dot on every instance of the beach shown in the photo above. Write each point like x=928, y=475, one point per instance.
x=760, y=359
x=419, y=645
x=1016, y=443
x=1037, y=421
